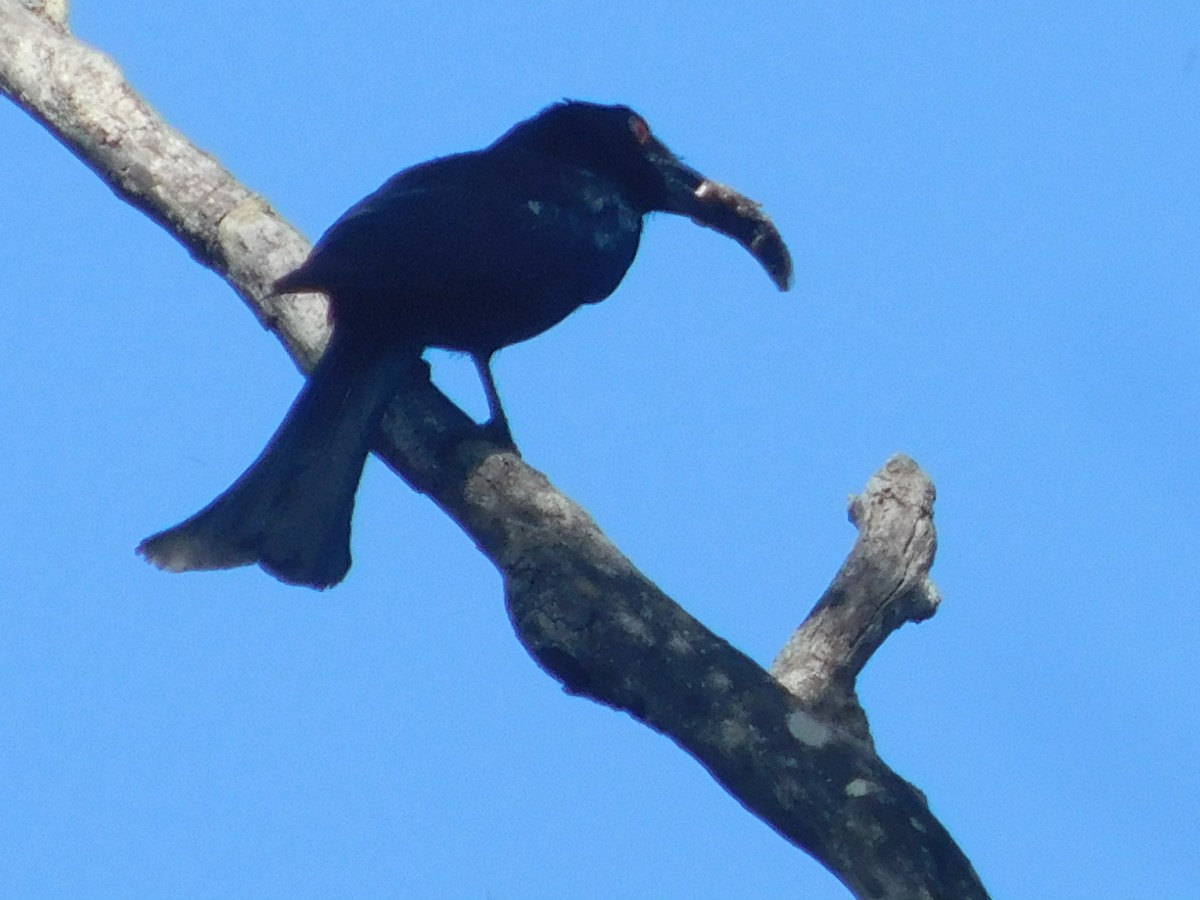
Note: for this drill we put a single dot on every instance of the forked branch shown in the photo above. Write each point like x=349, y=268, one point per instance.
x=792, y=747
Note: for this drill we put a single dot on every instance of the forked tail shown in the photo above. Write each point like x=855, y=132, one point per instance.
x=290, y=511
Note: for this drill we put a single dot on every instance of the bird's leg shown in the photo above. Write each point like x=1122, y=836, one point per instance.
x=497, y=425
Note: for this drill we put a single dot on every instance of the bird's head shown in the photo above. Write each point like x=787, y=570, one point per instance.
x=616, y=142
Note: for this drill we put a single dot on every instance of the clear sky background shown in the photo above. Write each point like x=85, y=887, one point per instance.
x=995, y=215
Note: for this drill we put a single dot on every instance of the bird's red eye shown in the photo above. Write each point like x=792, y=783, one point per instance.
x=641, y=131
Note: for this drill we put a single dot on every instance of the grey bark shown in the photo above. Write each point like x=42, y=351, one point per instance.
x=792, y=745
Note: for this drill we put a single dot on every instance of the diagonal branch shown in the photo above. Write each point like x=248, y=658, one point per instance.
x=793, y=748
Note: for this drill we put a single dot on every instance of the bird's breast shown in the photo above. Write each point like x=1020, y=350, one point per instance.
x=593, y=222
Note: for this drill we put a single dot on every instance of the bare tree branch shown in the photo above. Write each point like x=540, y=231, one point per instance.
x=793, y=747
x=54, y=11
x=83, y=100
x=883, y=584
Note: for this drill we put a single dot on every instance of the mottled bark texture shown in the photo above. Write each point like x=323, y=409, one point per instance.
x=792, y=746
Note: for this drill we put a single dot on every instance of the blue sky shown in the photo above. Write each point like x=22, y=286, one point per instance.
x=995, y=215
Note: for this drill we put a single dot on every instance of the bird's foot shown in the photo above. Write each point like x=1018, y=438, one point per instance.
x=497, y=431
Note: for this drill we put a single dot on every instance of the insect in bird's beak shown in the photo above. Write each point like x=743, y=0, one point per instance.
x=723, y=209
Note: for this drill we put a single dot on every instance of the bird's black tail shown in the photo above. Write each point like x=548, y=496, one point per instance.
x=290, y=511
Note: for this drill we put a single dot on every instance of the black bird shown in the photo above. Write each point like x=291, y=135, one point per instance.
x=470, y=252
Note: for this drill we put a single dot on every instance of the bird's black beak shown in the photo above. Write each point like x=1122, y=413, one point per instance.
x=721, y=208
